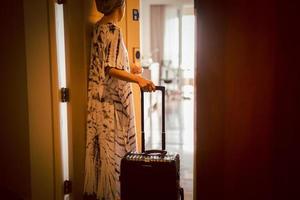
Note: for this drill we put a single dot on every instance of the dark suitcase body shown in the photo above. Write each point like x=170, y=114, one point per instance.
x=153, y=174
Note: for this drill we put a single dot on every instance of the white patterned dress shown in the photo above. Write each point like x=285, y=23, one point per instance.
x=110, y=117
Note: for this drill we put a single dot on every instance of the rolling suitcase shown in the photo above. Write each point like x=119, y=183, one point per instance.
x=152, y=174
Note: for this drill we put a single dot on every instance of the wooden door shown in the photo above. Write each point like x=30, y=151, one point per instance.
x=247, y=117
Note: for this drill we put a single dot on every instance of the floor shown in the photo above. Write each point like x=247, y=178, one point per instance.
x=179, y=134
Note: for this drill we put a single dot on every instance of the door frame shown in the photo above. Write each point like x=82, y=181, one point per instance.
x=58, y=169
x=56, y=101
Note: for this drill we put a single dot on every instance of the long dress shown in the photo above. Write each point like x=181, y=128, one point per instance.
x=110, y=116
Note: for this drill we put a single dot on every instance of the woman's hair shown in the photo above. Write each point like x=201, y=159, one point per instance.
x=108, y=6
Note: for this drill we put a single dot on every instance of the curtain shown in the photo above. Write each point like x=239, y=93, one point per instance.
x=171, y=35
x=157, y=13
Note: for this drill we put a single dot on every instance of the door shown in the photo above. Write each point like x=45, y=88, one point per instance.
x=247, y=128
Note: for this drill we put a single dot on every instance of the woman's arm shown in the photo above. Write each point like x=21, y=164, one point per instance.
x=144, y=84
x=135, y=68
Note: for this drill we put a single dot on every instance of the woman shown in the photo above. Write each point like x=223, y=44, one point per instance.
x=110, y=120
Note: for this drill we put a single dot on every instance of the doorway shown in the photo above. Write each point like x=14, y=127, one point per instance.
x=167, y=49
x=174, y=71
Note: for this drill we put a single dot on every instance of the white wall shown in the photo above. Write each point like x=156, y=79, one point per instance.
x=145, y=19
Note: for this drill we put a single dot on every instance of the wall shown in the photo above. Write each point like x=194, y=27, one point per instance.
x=37, y=38
x=133, y=41
x=14, y=142
x=247, y=100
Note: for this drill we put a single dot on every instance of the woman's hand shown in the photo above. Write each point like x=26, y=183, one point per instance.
x=136, y=69
x=145, y=85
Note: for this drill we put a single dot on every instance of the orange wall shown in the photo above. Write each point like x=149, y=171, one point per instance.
x=133, y=41
x=247, y=129
x=132, y=27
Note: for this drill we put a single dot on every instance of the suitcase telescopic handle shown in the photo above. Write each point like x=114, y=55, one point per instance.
x=163, y=135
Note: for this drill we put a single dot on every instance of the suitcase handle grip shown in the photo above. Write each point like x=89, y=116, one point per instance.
x=163, y=136
x=161, y=153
